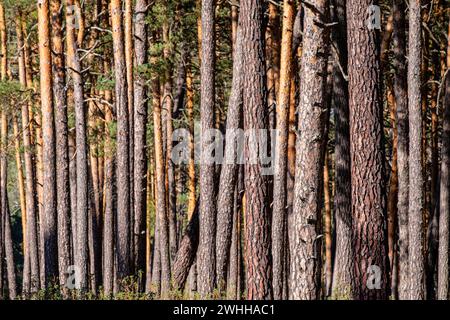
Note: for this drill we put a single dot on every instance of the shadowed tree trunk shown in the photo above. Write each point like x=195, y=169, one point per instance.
x=367, y=156
x=400, y=94
x=279, y=215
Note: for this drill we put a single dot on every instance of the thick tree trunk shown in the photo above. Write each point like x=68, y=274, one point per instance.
x=206, y=252
x=48, y=148
x=303, y=239
x=416, y=203
x=367, y=156
x=256, y=123
x=279, y=215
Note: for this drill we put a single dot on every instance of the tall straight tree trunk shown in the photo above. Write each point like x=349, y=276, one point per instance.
x=256, y=123
x=400, y=94
x=308, y=189
x=343, y=263
x=279, y=215
x=123, y=159
x=81, y=258
x=48, y=147
x=129, y=61
x=3, y=67
x=162, y=235
x=229, y=171
x=191, y=165
x=140, y=137
x=416, y=203
x=367, y=155
x=444, y=215
x=206, y=252
x=20, y=183
x=62, y=152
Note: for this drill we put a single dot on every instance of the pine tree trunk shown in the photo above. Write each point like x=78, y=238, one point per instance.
x=256, y=123
x=367, y=156
x=123, y=159
x=81, y=257
x=48, y=148
x=308, y=189
x=229, y=170
x=279, y=216
x=206, y=250
x=140, y=138
x=400, y=94
x=416, y=202
x=62, y=152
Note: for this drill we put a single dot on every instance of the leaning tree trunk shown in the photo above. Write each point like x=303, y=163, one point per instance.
x=416, y=263
x=304, y=233
x=229, y=170
x=256, y=123
x=367, y=155
x=206, y=251
x=48, y=148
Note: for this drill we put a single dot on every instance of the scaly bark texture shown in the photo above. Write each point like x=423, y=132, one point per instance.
x=73, y=61
x=367, y=155
x=279, y=215
x=304, y=241
x=48, y=148
x=257, y=219
x=62, y=148
x=206, y=252
x=123, y=161
x=140, y=137
x=416, y=263
x=229, y=171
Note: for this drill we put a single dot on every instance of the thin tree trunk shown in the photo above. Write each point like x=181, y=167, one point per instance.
x=400, y=94
x=416, y=202
x=123, y=159
x=229, y=170
x=81, y=258
x=62, y=152
x=279, y=215
x=140, y=139
x=206, y=250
